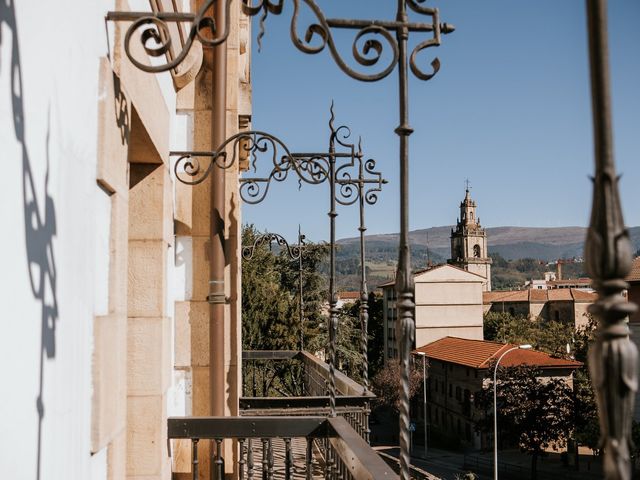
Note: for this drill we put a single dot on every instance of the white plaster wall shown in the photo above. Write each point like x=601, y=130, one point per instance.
x=52, y=260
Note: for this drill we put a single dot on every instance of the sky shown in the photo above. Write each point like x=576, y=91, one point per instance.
x=509, y=110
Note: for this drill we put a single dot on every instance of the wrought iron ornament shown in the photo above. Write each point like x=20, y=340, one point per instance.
x=293, y=251
x=613, y=358
x=151, y=29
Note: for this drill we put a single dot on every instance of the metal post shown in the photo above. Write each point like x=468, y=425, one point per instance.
x=613, y=358
x=301, y=305
x=333, y=301
x=364, y=305
x=404, y=278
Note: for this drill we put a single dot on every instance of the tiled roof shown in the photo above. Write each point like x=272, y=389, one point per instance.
x=349, y=295
x=582, y=296
x=539, y=296
x=558, y=294
x=634, y=275
x=480, y=353
x=505, y=296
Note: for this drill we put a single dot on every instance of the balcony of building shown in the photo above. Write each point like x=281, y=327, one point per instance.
x=286, y=428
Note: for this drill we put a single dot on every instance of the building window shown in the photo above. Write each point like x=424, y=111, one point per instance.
x=458, y=394
x=475, y=373
x=476, y=250
x=467, y=370
x=557, y=315
x=512, y=311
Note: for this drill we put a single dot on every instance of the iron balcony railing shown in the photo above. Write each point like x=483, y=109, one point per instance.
x=270, y=448
x=296, y=383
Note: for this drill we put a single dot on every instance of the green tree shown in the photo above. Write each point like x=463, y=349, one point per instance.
x=546, y=335
x=534, y=412
x=268, y=309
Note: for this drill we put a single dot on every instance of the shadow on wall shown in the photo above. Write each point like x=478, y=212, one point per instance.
x=39, y=230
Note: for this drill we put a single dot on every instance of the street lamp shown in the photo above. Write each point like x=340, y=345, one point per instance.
x=424, y=398
x=495, y=408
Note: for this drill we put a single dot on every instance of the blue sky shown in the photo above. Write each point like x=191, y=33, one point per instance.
x=509, y=109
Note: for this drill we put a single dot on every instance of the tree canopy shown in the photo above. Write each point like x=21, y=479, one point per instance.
x=534, y=412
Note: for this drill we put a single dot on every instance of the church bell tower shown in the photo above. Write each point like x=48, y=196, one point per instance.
x=469, y=243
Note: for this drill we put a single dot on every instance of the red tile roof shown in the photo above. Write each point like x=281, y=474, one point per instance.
x=505, y=296
x=539, y=296
x=479, y=354
x=582, y=296
x=634, y=275
x=560, y=294
x=349, y=295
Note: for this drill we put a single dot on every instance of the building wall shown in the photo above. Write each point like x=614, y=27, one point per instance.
x=56, y=263
x=450, y=406
x=92, y=268
x=448, y=303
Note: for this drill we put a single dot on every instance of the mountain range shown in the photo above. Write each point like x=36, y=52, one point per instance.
x=543, y=243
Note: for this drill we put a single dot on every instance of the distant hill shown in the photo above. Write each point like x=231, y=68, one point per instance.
x=543, y=243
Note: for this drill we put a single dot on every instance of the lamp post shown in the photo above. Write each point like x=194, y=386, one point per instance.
x=424, y=398
x=495, y=408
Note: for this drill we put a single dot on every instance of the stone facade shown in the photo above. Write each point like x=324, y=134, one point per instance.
x=561, y=305
x=469, y=249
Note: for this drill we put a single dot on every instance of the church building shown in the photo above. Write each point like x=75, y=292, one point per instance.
x=469, y=243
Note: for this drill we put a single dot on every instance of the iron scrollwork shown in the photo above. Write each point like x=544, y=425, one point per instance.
x=372, y=39
x=293, y=251
x=155, y=36
x=251, y=144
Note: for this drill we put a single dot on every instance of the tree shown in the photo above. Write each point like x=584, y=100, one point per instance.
x=534, y=412
x=270, y=311
x=586, y=412
x=546, y=335
x=386, y=384
x=348, y=350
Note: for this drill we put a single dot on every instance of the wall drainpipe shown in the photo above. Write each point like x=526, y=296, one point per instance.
x=217, y=263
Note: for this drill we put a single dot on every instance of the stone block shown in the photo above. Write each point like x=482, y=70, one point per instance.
x=147, y=436
x=114, y=125
x=147, y=278
x=148, y=355
x=119, y=249
x=200, y=395
x=182, y=337
x=150, y=208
